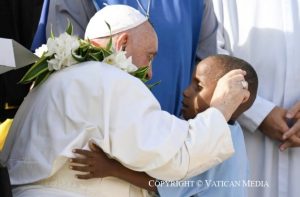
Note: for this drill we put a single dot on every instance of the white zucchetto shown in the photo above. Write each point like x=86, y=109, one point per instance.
x=119, y=17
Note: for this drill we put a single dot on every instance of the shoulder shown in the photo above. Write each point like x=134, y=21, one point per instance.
x=93, y=75
x=90, y=69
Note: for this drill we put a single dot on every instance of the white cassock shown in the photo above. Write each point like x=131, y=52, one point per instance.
x=97, y=101
x=267, y=34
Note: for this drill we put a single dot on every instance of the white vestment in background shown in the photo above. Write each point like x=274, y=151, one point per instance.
x=266, y=33
x=97, y=101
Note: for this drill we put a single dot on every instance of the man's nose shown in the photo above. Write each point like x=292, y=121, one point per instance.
x=186, y=92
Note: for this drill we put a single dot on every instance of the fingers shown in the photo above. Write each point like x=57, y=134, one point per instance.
x=82, y=152
x=282, y=126
x=278, y=121
x=82, y=165
x=81, y=168
x=86, y=169
x=237, y=80
x=235, y=72
x=295, y=128
x=244, y=84
x=83, y=161
x=277, y=135
x=246, y=96
x=285, y=145
x=94, y=147
x=91, y=162
x=275, y=125
x=84, y=176
x=273, y=134
x=293, y=110
x=294, y=141
x=297, y=116
x=237, y=77
x=289, y=133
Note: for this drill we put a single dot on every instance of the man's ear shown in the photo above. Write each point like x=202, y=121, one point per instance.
x=121, y=41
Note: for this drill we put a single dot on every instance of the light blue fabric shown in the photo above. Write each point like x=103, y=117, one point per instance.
x=177, y=23
x=230, y=173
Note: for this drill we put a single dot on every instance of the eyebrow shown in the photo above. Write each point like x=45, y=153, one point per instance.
x=197, y=79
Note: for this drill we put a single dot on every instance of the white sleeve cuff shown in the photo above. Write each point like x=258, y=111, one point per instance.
x=253, y=117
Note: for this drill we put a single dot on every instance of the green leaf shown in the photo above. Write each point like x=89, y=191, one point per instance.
x=144, y=80
x=93, y=57
x=39, y=67
x=78, y=58
x=83, y=48
x=41, y=78
x=109, y=44
x=151, y=86
x=141, y=72
x=69, y=29
x=105, y=52
x=98, y=55
x=38, y=71
x=51, y=33
x=108, y=25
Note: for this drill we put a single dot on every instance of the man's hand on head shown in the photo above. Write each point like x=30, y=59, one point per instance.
x=230, y=92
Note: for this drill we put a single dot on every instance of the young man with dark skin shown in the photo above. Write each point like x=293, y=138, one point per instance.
x=197, y=98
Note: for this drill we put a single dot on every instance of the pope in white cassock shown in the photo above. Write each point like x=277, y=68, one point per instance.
x=266, y=34
x=94, y=100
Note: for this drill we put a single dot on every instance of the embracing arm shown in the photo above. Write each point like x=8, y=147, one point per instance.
x=142, y=137
x=140, y=179
x=96, y=164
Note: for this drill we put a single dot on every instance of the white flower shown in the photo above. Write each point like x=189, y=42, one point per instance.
x=41, y=50
x=119, y=59
x=62, y=48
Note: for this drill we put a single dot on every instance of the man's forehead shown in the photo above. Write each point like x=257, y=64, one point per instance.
x=151, y=42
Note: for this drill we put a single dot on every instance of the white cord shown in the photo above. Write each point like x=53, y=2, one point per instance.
x=148, y=8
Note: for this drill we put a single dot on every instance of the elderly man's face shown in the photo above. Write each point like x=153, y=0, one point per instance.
x=141, y=43
x=142, y=46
